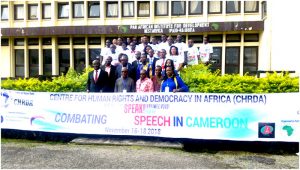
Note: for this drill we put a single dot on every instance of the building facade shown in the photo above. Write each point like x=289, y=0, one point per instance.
x=47, y=37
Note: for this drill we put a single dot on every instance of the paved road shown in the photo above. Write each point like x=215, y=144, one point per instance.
x=15, y=155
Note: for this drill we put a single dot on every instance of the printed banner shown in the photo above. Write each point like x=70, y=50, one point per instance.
x=241, y=117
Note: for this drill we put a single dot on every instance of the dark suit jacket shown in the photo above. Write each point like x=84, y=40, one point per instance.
x=153, y=64
x=101, y=83
x=111, y=78
x=131, y=71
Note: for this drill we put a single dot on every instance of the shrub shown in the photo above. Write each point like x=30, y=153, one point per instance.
x=199, y=79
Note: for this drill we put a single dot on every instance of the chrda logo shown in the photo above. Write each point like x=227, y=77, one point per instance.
x=266, y=130
x=4, y=99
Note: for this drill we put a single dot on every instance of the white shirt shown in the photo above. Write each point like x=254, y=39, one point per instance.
x=205, y=51
x=177, y=59
x=193, y=52
x=182, y=47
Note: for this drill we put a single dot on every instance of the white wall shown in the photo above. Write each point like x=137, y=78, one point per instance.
x=284, y=18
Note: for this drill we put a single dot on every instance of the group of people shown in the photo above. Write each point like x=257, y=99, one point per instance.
x=125, y=66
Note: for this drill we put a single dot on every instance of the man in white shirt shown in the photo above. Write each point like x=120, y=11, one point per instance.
x=193, y=53
x=182, y=47
x=206, y=51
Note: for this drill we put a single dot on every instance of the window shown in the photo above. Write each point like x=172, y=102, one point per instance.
x=232, y=61
x=78, y=40
x=4, y=42
x=178, y=7
x=251, y=37
x=161, y=8
x=250, y=6
x=32, y=11
x=47, y=62
x=19, y=42
x=250, y=60
x=233, y=38
x=19, y=66
x=78, y=11
x=46, y=11
x=263, y=9
x=79, y=60
x=216, y=59
x=111, y=9
x=196, y=38
x=33, y=41
x=233, y=6
x=33, y=62
x=94, y=9
x=215, y=38
x=94, y=40
x=4, y=12
x=195, y=7
x=64, y=61
x=47, y=41
x=127, y=9
x=94, y=54
x=63, y=41
x=214, y=7
x=63, y=10
x=19, y=12
x=143, y=9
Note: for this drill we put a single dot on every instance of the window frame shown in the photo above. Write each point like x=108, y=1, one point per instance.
x=215, y=66
x=46, y=39
x=19, y=65
x=4, y=42
x=138, y=8
x=132, y=2
x=235, y=12
x=2, y=7
x=90, y=3
x=15, y=12
x=229, y=41
x=59, y=10
x=78, y=40
x=73, y=9
x=245, y=39
x=201, y=6
x=19, y=40
x=46, y=65
x=36, y=66
x=60, y=40
x=173, y=5
x=214, y=35
x=155, y=9
x=60, y=64
x=43, y=10
x=78, y=58
x=221, y=8
x=29, y=11
x=250, y=64
x=233, y=64
x=257, y=7
x=109, y=3
x=91, y=42
x=32, y=41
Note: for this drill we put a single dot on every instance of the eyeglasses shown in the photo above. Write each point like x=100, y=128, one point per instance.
x=124, y=71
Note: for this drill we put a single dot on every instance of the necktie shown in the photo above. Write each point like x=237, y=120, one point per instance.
x=163, y=65
x=96, y=76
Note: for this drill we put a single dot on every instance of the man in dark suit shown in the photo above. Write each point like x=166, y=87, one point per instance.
x=97, y=79
x=152, y=60
x=112, y=74
x=124, y=63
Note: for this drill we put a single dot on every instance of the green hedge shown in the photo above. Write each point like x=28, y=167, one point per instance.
x=199, y=79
